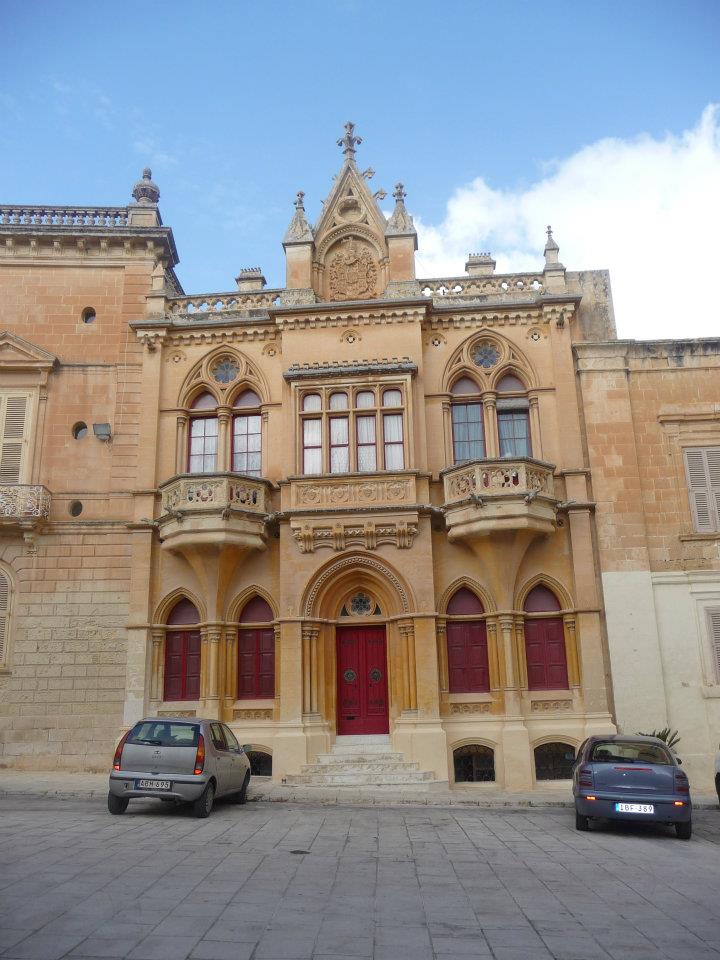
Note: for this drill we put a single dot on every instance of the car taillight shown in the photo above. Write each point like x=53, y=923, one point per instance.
x=682, y=785
x=200, y=755
x=585, y=776
x=118, y=751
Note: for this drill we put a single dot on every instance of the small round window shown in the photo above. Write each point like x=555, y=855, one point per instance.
x=75, y=508
x=88, y=315
x=79, y=431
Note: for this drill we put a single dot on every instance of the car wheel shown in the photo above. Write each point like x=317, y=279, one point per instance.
x=241, y=797
x=203, y=805
x=117, y=805
x=581, y=822
x=684, y=830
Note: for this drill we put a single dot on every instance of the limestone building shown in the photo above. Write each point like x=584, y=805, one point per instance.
x=360, y=505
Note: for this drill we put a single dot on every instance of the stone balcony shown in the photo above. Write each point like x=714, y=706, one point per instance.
x=214, y=510
x=23, y=506
x=486, y=497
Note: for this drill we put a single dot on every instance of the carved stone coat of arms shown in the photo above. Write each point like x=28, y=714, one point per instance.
x=352, y=274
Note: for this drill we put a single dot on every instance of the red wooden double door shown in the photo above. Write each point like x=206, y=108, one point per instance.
x=362, y=688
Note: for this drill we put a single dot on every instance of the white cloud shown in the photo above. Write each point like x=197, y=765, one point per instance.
x=647, y=209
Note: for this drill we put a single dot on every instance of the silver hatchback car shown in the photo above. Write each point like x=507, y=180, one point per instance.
x=179, y=760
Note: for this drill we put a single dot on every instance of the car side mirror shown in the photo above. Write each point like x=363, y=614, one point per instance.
x=679, y=761
x=247, y=747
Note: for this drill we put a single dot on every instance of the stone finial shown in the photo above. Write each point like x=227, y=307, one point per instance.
x=299, y=230
x=250, y=278
x=145, y=191
x=349, y=142
x=368, y=174
x=552, y=260
x=480, y=265
x=400, y=223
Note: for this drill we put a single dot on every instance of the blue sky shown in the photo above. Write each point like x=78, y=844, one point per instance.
x=498, y=117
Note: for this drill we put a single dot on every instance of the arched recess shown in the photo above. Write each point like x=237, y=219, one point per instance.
x=182, y=654
x=8, y=589
x=550, y=648
x=200, y=377
x=510, y=357
x=239, y=602
x=553, y=758
x=484, y=595
x=165, y=607
x=478, y=741
x=323, y=595
x=544, y=580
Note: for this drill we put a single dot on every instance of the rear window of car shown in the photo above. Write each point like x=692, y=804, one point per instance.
x=162, y=733
x=615, y=751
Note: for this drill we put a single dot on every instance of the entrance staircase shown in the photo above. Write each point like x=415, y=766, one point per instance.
x=366, y=761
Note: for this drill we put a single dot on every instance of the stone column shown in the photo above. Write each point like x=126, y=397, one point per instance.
x=520, y=657
x=535, y=434
x=407, y=638
x=447, y=432
x=181, y=444
x=213, y=636
x=510, y=680
x=490, y=426
x=310, y=635
x=495, y=661
x=157, y=670
x=441, y=635
x=230, y=685
x=223, y=449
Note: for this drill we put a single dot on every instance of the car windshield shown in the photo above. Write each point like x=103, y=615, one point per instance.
x=162, y=733
x=630, y=751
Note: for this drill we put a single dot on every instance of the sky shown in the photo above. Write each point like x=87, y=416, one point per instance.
x=600, y=117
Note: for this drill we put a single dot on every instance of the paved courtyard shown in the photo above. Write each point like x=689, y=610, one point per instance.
x=286, y=880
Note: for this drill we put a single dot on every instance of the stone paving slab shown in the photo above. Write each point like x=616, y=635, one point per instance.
x=86, y=786
x=311, y=882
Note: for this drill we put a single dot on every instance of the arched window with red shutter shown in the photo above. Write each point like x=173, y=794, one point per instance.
x=467, y=651
x=544, y=641
x=256, y=651
x=182, y=653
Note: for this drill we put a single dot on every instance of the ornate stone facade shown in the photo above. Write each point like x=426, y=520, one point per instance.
x=266, y=457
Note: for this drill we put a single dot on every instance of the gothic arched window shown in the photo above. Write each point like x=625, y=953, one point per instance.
x=247, y=434
x=513, y=417
x=256, y=651
x=544, y=641
x=202, y=456
x=467, y=421
x=467, y=651
x=182, y=653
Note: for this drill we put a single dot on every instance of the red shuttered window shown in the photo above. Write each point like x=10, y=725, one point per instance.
x=182, y=665
x=545, y=643
x=467, y=651
x=256, y=652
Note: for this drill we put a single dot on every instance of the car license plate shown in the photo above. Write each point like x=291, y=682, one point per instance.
x=153, y=784
x=634, y=808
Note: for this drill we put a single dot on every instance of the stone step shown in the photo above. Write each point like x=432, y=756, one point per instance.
x=355, y=778
x=366, y=767
x=355, y=745
x=359, y=758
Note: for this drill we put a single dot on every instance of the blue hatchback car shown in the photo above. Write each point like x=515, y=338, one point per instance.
x=631, y=778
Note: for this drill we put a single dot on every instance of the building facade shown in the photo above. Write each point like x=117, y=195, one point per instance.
x=361, y=505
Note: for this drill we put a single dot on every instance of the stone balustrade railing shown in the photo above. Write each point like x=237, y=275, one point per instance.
x=42, y=216
x=210, y=303
x=214, y=491
x=503, y=285
x=23, y=502
x=352, y=491
x=488, y=478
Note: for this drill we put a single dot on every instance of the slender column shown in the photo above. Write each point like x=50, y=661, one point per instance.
x=265, y=467
x=520, y=657
x=223, y=451
x=447, y=432
x=490, y=425
x=512, y=697
x=494, y=660
x=571, y=651
x=278, y=654
x=535, y=435
x=181, y=444
x=230, y=685
x=441, y=633
x=310, y=634
x=204, y=656
x=157, y=665
x=407, y=632
x=212, y=687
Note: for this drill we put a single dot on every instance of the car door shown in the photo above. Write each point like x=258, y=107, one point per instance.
x=223, y=759
x=240, y=766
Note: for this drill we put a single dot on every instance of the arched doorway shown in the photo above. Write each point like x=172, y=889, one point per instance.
x=256, y=651
x=182, y=653
x=467, y=651
x=362, y=687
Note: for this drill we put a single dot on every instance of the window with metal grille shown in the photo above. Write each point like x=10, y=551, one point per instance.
x=702, y=469
x=474, y=763
x=554, y=761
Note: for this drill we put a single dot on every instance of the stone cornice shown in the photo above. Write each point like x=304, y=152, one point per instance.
x=361, y=367
x=52, y=243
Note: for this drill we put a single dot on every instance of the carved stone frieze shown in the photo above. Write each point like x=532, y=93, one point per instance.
x=490, y=477
x=352, y=271
x=463, y=708
x=23, y=502
x=257, y=714
x=212, y=493
x=353, y=492
x=359, y=562
x=339, y=536
x=550, y=706
x=177, y=713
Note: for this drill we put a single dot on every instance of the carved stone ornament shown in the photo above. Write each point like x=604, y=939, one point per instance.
x=252, y=714
x=339, y=536
x=460, y=708
x=550, y=706
x=352, y=273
